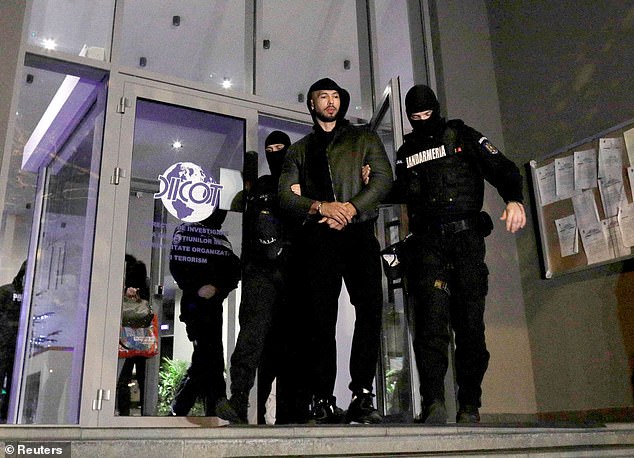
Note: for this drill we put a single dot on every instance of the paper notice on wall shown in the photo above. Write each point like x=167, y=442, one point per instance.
x=615, y=240
x=585, y=208
x=568, y=235
x=595, y=243
x=611, y=158
x=626, y=224
x=564, y=177
x=628, y=136
x=630, y=175
x=546, y=184
x=611, y=196
x=585, y=169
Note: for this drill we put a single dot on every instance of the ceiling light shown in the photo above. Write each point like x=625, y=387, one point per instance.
x=177, y=144
x=226, y=83
x=49, y=44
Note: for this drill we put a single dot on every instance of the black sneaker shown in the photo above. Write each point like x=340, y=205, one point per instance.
x=468, y=414
x=361, y=410
x=233, y=410
x=434, y=413
x=325, y=411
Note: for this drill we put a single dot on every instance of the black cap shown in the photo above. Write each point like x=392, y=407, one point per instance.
x=277, y=137
x=326, y=84
x=421, y=98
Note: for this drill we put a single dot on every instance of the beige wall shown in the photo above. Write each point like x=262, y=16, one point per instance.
x=564, y=73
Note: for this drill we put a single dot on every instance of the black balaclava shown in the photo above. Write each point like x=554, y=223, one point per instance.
x=326, y=84
x=422, y=98
x=276, y=158
x=215, y=220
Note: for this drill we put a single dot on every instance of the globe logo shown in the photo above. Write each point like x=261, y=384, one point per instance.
x=187, y=192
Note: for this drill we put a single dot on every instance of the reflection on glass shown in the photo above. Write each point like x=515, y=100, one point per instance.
x=78, y=28
x=171, y=186
x=394, y=368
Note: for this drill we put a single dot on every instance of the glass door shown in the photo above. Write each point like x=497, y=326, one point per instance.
x=180, y=168
x=395, y=393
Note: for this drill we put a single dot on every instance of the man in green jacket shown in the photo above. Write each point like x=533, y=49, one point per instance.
x=336, y=211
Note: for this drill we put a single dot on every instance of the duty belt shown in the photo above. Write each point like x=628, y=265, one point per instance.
x=453, y=227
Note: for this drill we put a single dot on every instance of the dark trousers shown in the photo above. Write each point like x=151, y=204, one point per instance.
x=257, y=348
x=125, y=377
x=7, y=356
x=292, y=391
x=205, y=375
x=328, y=257
x=457, y=261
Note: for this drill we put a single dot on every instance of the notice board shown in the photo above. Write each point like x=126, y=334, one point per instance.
x=583, y=200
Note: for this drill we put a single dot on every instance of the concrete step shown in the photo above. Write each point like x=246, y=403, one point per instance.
x=329, y=441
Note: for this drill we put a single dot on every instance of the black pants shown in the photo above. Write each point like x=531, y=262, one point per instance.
x=125, y=377
x=205, y=375
x=328, y=257
x=7, y=357
x=257, y=348
x=455, y=260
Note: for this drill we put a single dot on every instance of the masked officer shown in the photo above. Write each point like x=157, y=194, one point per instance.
x=263, y=291
x=440, y=173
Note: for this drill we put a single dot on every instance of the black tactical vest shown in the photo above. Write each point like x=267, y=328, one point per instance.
x=443, y=180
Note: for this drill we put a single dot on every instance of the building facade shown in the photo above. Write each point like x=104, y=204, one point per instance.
x=105, y=98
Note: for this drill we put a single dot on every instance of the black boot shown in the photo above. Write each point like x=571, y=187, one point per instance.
x=434, y=413
x=468, y=414
x=325, y=411
x=361, y=409
x=234, y=410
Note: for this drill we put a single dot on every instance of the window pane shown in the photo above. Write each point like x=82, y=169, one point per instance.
x=323, y=42
x=70, y=26
x=266, y=125
x=189, y=39
x=393, y=45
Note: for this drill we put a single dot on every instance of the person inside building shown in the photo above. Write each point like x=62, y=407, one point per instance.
x=206, y=269
x=10, y=305
x=136, y=287
x=440, y=173
x=263, y=291
x=336, y=242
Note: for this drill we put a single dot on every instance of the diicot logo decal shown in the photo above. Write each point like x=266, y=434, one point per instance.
x=188, y=192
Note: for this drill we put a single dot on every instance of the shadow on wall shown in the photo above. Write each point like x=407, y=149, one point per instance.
x=625, y=312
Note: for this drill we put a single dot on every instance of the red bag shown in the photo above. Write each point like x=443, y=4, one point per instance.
x=139, y=341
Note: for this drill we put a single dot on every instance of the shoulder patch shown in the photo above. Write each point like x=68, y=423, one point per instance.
x=488, y=146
